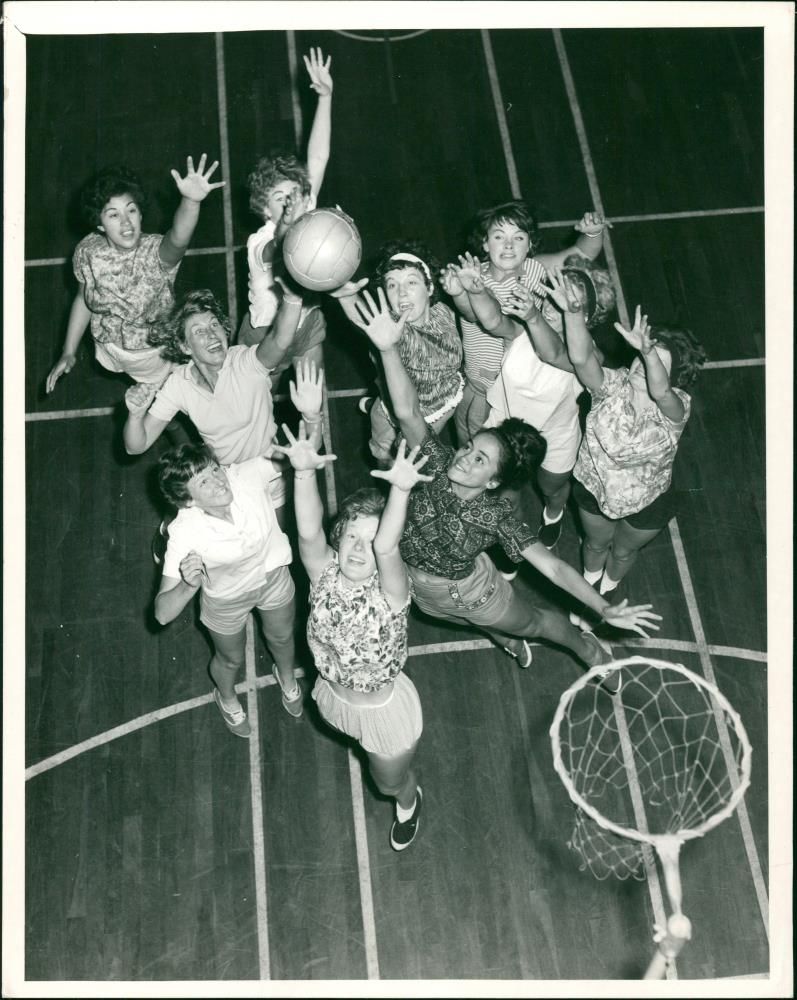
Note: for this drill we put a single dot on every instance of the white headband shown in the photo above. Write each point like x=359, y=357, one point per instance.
x=412, y=259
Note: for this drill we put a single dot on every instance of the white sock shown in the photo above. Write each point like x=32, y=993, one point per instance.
x=402, y=815
x=607, y=584
x=551, y=520
x=592, y=576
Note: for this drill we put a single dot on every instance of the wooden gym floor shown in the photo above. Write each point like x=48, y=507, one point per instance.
x=159, y=847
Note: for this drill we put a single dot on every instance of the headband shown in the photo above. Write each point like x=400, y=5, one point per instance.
x=412, y=259
x=585, y=279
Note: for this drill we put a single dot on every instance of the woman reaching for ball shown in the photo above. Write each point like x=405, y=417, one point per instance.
x=455, y=518
x=357, y=626
x=430, y=347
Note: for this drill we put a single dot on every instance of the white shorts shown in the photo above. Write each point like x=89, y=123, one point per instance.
x=146, y=365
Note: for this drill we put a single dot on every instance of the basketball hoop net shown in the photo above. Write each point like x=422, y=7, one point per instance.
x=663, y=761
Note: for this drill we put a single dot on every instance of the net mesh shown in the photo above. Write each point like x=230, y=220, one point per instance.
x=668, y=756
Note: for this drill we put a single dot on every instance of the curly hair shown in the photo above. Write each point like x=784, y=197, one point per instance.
x=270, y=171
x=522, y=449
x=169, y=336
x=417, y=248
x=517, y=212
x=602, y=289
x=688, y=355
x=179, y=465
x=365, y=502
x=110, y=182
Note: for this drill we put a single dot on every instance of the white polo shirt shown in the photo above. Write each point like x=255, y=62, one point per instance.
x=236, y=419
x=237, y=555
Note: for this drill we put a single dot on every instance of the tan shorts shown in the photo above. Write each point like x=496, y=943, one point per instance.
x=227, y=615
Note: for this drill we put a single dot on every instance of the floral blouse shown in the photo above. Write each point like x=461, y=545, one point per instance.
x=356, y=638
x=626, y=456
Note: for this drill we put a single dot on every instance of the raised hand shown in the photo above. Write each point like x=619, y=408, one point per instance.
x=300, y=452
x=405, y=471
x=593, y=224
x=449, y=280
x=349, y=289
x=192, y=569
x=377, y=321
x=561, y=290
x=64, y=366
x=520, y=303
x=307, y=392
x=196, y=186
x=139, y=396
x=634, y=618
x=318, y=71
x=469, y=273
x=639, y=336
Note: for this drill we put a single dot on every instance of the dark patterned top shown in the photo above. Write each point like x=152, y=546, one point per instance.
x=432, y=356
x=444, y=534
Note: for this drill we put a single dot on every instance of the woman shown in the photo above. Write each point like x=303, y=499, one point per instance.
x=226, y=545
x=455, y=518
x=430, y=347
x=357, y=627
x=623, y=474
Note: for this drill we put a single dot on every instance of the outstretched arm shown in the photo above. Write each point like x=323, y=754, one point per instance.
x=658, y=379
x=452, y=286
x=314, y=550
x=486, y=308
x=384, y=333
x=580, y=347
x=318, y=145
x=589, y=243
x=634, y=618
x=79, y=316
x=307, y=396
x=279, y=340
x=194, y=188
x=547, y=343
x=402, y=476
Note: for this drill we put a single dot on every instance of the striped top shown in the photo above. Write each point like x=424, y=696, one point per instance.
x=483, y=352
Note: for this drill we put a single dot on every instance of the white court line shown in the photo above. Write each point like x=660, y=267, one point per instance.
x=95, y=411
x=741, y=363
x=498, y=101
x=741, y=810
x=256, y=792
x=355, y=775
x=661, y=216
x=226, y=191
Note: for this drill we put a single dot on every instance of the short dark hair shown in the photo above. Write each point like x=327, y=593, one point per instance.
x=169, y=335
x=417, y=248
x=517, y=212
x=522, y=449
x=268, y=172
x=365, y=502
x=688, y=355
x=110, y=182
x=177, y=466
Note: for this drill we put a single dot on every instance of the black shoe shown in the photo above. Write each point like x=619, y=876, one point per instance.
x=549, y=534
x=365, y=403
x=403, y=834
x=159, y=542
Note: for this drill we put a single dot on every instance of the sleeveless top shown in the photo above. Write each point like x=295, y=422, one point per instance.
x=356, y=638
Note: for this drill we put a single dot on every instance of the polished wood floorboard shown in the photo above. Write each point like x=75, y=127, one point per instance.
x=142, y=856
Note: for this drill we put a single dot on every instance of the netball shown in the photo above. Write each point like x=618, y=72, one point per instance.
x=322, y=249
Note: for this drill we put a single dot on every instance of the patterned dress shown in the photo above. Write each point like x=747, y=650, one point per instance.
x=355, y=636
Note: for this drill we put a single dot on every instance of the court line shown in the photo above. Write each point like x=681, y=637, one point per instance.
x=256, y=793
x=355, y=775
x=663, y=216
x=226, y=191
x=498, y=101
x=427, y=649
x=190, y=252
x=742, y=814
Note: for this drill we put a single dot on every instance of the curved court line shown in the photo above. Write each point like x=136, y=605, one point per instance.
x=427, y=649
x=383, y=38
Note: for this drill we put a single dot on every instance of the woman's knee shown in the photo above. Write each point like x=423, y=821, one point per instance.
x=279, y=624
